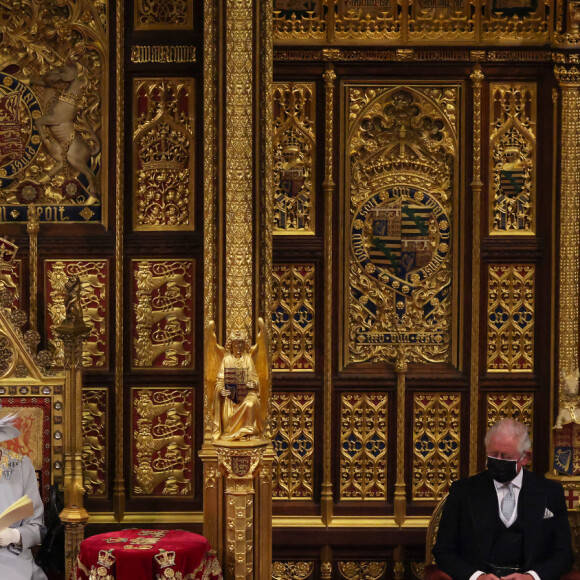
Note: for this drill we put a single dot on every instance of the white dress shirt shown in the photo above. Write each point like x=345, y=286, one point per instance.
x=501, y=489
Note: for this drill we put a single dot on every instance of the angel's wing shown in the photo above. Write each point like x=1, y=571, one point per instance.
x=214, y=354
x=260, y=353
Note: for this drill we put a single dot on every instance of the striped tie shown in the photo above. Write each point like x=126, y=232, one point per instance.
x=508, y=503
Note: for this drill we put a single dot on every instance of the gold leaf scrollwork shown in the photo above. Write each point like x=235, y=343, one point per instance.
x=163, y=145
x=363, y=441
x=453, y=20
x=362, y=570
x=436, y=430
x=295, y=19
x=518, y=406
x=163, y=15
x=294, y=157
x=292, y=570
x=94, y=429
x=401, y=183
x=162, y=440
x=513, y=158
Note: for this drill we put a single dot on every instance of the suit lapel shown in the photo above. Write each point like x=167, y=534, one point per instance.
x=484, y=508
x=531, y=505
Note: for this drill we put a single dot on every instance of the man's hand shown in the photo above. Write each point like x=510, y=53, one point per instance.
x=487, y=577
x=9, y=536
x=517, y=576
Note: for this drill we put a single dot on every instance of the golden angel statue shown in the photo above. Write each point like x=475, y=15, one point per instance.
x=237, y=385
x=569, y=409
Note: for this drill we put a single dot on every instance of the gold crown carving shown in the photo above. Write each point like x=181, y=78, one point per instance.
x=165, y=559
x=7, y=253
x=164, y=148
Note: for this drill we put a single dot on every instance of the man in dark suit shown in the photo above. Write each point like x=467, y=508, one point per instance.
x=505, y=522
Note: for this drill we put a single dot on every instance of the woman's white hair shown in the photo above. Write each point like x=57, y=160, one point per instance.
x=513, y=429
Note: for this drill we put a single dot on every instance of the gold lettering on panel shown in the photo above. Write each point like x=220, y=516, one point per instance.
x=94, y=451
x=294, y=157
x=518, y=406
x=163, y=154
x=93, y=275
x=162, y=314
x=510, y=315
x=293, y=440
x=162, y=441
x=436, y=431
x=401, y=186
x=512, y=158
x=163, y=53
x=363, y=446
x=163, y=15
x=293, y=317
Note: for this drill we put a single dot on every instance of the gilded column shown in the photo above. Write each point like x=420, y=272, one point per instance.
x=328, y=187
x=400, y=502
x=33, y=227
x=568, y=76
x=119, y=482
x=476, y=189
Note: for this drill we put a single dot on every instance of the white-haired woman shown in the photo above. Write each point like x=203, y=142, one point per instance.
x=17, y=478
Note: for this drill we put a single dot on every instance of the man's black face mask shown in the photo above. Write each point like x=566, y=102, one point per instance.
x=502, y=470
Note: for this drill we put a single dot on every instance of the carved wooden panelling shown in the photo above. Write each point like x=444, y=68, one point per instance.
x=54, y=98
x=436, y=430
x=11, y=278
x=294, y=157
x=363, y=442
x=401, y=186
x=162, y=314
x=292, y=570
x=293, y=440
x=163, y=439
x=362, y=570
x=163, y=154
x=94, y=277
x=512, y=163
x=94, y=430
x=163, y=15
x=518, y=406
x=293, y=317
x=510, y=329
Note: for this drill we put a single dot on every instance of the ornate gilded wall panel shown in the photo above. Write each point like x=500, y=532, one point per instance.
x=293, y=317
x=293, y=440
x=54, y=105
x=94, y=428
x=436, y=431
x=40, y=415
x=292, y=570
x=162, y=314
x=401, y=188
x=299, y=19
x=518, y=406
x=94, y=276
x=163, y=154
x=362, y=570
x=510, y=313
x=163, y=15
x=512, y=158
x=11, y=277
x=294, y=157
x=367, y=19
x=363, y=442
x=526, y=20
x=163, y=438
x=445, y=20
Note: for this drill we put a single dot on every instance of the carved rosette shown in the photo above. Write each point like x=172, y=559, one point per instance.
x=94, y=277
x=436, y=448
x=362, y=570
